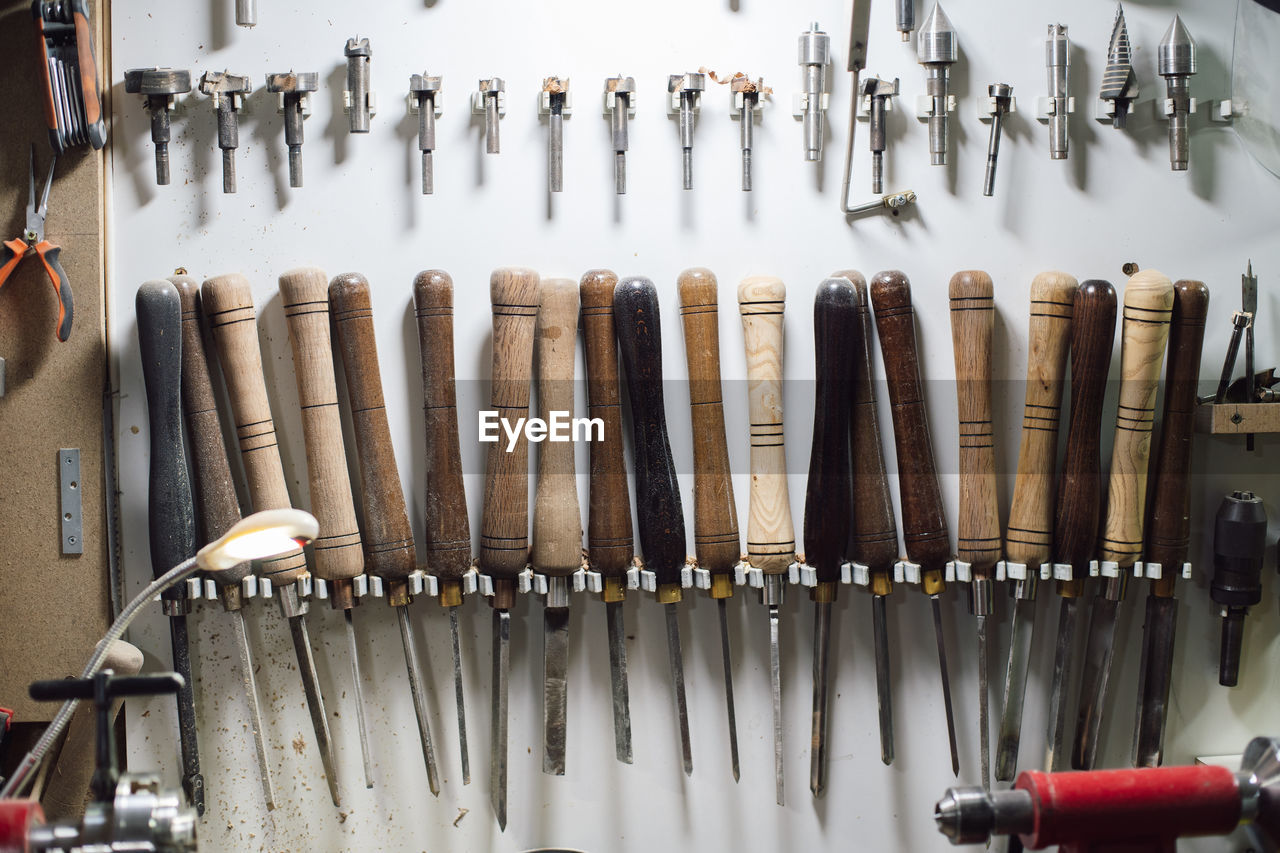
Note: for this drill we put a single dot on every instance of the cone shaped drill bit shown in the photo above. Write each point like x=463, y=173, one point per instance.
x=937, y=50
x=1119, y=83
x=1176, y=62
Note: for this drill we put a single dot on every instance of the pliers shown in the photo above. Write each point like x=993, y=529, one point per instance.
x=13, y=251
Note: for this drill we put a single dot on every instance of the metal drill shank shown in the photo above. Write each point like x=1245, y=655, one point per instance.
x=418, y=691
x=773, y=594
x=722, y=607
x=1015, y=679
x=677, y=679
x=814, y=53
x=821, y=654
x=249, y=680
x=555, y=681
x=746, y=135
x=458, y=697
x=555, y=142
x=884, y=685
x=618, y=682
x=353, y=651
x=498, y=715
x=358, y=55
x=1056, y=60
x=295, y=610
x=983, y=607
x=946, y=683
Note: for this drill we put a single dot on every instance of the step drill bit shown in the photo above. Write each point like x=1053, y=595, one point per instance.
x=1119, y=83
x=877, y=93
x=159, y=88
x=357, y=100
x=389, y=553
x=771, y=538
x=490, y=101
x=659, y=513
x=1176, y=62
x=937, y=49
x=294, y=89
x=906, y=17
x=424, y=94
x=924, y=524
x=1001, y=95
x=620, y=106
x=686, y=95
x=1239, y=547
x=1148, y=304
x=815, y=54
x=1169, y=531
x=1029, y=534
x=827, y=507
x=746, y=100
x=228, y=92
x=978, y=538
x=1075, y=525
x=609, y=537
x=446, y=524
x=1057, y=59
x=715, y=517
x=555, y=105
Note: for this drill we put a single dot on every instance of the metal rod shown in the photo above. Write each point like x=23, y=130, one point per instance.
x=618, y=680
x=353, y=649
x=498, y=715
x=414, y=668
x=555, y=682
x=677, y=679
x=458, y=696
x=722, y=606
x=821, y=654
x=311, y=688
x=1015, y=686
x=255, y=710
x=192, y=780
x=946, y=683
x=1062, y=653
x=884, y=695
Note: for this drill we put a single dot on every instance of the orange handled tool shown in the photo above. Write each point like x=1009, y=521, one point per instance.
x=13, y=251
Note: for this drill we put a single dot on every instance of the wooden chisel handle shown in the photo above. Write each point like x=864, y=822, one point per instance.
x=504, y=528
x=1029, y=536
x=337, y=551
x=924, y=525
x=609, y=536
x=1148, y=304
x=388, y=539
x=828, y=491
x=875, y=528
x=715, y=518
x=171, y=516
x=557, y=518
x=447, y=527
x=659, y=512
x=1093, y=330
x=228, y=305
x=214, y=489
x=771, y=537
x=1169, y=533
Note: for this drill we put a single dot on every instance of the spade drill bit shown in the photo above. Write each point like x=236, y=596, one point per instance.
x=228, y=92
x=1239, y=546
x=746, y=97
x=936, y=49
x=1176, y=62
x=555, y=103
x=1119, y=83
x=425, y=92
x=619, y=104
x=295, y=104
x=489, y=102
x=1057, y=59
x=906, y=17
x=159, y=88
x=687, y=89
x=878, y=92
x=815, y=54
x=1001, y=95
x=357, y=99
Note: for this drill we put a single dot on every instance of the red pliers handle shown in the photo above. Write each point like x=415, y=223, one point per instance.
x=12, y=253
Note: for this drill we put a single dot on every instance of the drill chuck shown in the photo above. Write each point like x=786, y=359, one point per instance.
x=1239, y=542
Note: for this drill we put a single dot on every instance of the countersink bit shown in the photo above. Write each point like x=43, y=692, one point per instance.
x=746, y=100
x=936, y=49
x=815, y=53
x=425, y=94
x=620, y=106
x=1057, y=60
x=555, y=104
x=159, y=88
x=357, y=100
x=906, y=10
x=491, y=102
x=1001, y=95
x=228, y=92
x=295, y=105
x=1176, y=60
x=1119, y=83
x=1239, y=544
x=878, y=92
x=688, y=89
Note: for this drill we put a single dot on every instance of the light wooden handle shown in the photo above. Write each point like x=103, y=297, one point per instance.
x=557, y=517
x=228, y=305
x=337, y=552
x=771, y=537
x=1148, y=304
x=1029, y=536
x=715, y=518
x=973, y=317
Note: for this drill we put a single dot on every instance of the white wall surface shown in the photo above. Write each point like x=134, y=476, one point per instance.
x=1112, y=202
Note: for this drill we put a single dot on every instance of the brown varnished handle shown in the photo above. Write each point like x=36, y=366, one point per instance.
x=447, y=527
x=973, y=317
x=924, y=525
x=337, y=552
x=388, y=538
x=1029, y=536
x=715, y=518
x=610, y=546
x=1169, y=533
x=771, y=537
x=557, y=517
x=217, y=507
x=228, y=306
x=1148, y=304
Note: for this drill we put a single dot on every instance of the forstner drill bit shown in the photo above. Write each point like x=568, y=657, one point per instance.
x=688, y=89
x=555, y=103
x=489, y=103
x=1001, y=95
x=357, y=99
x=1176, y=59
x=425, y=92
x=1119, y=83
x=1057, y=60
x=936, y=49
x=294, y=89
x=160, y=88
x=619, y=104
x=815, y=54
x=878, y=92
x=228, y=92
x=746, y=97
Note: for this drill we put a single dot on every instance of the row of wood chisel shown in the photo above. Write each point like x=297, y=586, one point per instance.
x=849, y=532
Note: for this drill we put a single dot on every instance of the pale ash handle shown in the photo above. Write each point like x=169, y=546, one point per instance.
x=771, y=538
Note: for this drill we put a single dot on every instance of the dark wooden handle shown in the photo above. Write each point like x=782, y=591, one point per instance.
x=715, y=518
x=388, y=538
x=228, y=306
x=504, y=529
x=557, y=517
x=609, y=535
x=337, y=551
x=1029, y=536
x=447, y=527
x=875, y=528
x=828, y=492
x=1093, y=330
x=924, y=525
x=1169, y=533
x=658, y=509
x=973, y=317
x=215, y=491
x=171, y=517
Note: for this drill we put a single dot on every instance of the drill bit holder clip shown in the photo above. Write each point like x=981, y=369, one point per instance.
x=855, y=573
x=544, y=101
x=924, y=106
x=692, y=85
x=800, y=103
x=988, y=107
x=371, y=100
x=530, y=581
x=1104, y=568
x=611, y=100
x=479, y=102
x=431, y=88
x=649, y=580
x=1154, y=571
x=959, y=570
x=864, y=103
x=905, y=571
x=757, y=105
x=586, y=580
x=1045, y=107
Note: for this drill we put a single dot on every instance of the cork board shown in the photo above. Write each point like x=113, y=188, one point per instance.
x=53, y=608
